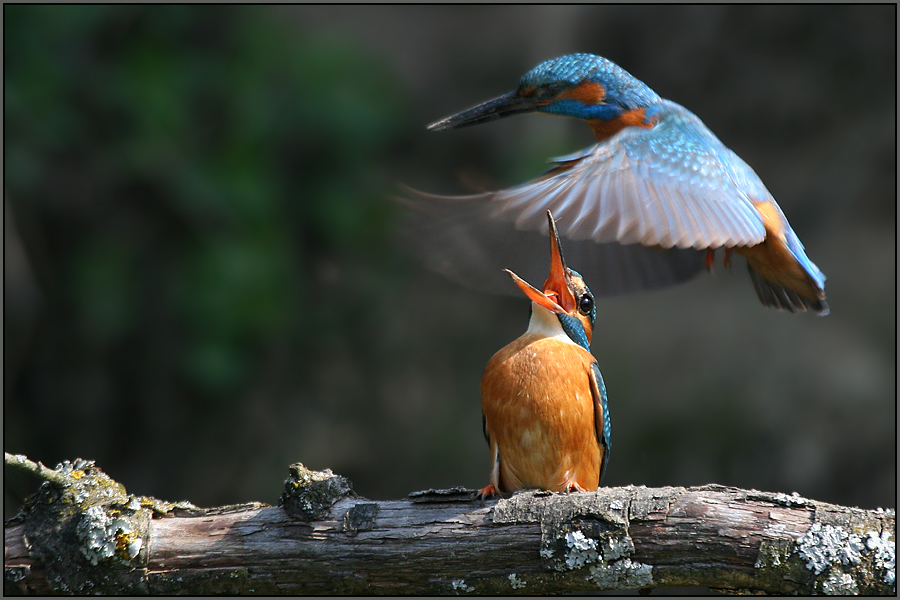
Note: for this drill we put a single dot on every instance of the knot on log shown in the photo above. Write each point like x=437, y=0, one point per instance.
x=309, y=495
x=78, y=485
x=88, y=533
x=81, y=523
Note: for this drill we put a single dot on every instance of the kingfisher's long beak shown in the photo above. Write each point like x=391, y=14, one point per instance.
x=558, y=287
x=504, y=106
x=535, y=295
x=557, y=294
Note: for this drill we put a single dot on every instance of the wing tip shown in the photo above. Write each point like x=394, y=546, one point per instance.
x=781, y=298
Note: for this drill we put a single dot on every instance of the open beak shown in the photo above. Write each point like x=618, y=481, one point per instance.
x=504, y=106
x=557, y=294
x=535, y=295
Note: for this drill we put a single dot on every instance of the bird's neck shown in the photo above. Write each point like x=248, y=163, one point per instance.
x=546, y=324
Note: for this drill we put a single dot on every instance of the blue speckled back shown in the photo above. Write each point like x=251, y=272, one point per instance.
x=621, y=87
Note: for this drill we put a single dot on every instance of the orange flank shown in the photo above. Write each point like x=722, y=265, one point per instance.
x=633, y=118
x=772, y=259
x=772, y=219
x=536, y=395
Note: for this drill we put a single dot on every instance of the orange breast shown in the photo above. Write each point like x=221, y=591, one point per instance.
x=539, y=413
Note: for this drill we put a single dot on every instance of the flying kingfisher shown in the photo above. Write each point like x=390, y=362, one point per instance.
x=643, y=208
x=543, y=399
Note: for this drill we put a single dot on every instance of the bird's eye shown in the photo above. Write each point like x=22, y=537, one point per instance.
x=586, y=304
x=548, y=91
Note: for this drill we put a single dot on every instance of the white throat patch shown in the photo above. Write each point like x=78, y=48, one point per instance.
x=544, y=323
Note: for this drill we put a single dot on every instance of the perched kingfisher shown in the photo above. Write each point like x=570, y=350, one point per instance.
x=543, y=399
x=644, y=208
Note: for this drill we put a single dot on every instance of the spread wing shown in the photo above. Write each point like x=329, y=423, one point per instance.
x=601, y=414
x=637, y=209
x=672, y=185
x=457, y=237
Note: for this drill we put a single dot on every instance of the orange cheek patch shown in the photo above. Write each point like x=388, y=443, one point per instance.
x=586, y=92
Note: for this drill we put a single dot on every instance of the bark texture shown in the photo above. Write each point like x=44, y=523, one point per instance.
x=81, y=533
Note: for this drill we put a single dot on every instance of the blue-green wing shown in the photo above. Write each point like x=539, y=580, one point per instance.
x=601, y=414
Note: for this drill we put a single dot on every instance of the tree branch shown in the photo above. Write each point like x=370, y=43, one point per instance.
x=87, y=535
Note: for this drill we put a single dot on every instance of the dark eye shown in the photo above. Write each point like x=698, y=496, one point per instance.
x=548, y=91
x=586, y=304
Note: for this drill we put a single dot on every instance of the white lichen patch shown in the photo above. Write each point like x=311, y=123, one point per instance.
x=616, y=548
x=617, y=505
x=578, y=541
x=516, y=583
x=133, y=548
x=794, y=499
x=98, y=532
x=839, y=584
x=460, y=585
x=772, y=554
x=824, y=546
x=581, y=550
x=621, y=574
x=884, y=554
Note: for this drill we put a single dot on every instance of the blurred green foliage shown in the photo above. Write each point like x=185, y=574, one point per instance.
x=194, y=187
x=209, y=158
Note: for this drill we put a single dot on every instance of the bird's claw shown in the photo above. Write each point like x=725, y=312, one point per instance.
x=574, y=486
x=711, y=258
x=488, y=491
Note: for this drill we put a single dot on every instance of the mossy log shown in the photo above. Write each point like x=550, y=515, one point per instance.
x=81, y=533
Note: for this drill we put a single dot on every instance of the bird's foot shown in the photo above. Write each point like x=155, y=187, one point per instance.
x=710, y=259
x=573, y=486
x=488, y=491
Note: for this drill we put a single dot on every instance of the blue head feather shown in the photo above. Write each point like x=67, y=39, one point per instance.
x=623, y=91
x=571, y=325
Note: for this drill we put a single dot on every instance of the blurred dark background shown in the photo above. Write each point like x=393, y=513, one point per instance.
x=203, y=281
